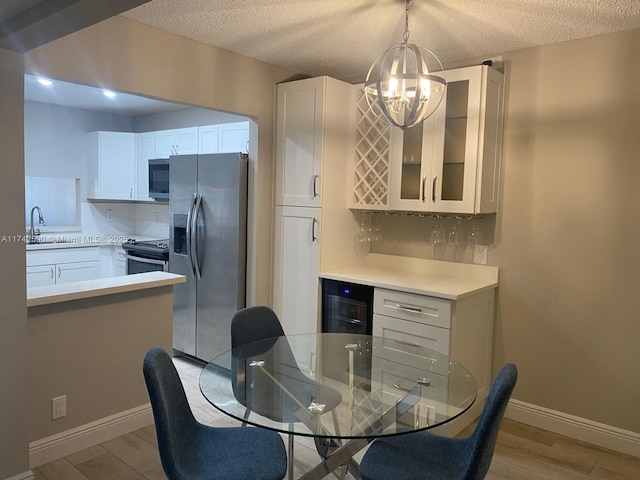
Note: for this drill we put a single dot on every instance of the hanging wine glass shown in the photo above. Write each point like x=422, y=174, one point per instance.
x=438, y=240
x=376, y=231
x=475, y=236
x=456, y=240
x=364, y=238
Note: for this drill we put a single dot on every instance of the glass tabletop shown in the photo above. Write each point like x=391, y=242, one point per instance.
x=338, y=385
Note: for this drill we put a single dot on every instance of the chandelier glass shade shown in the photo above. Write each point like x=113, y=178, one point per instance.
x=406, y=82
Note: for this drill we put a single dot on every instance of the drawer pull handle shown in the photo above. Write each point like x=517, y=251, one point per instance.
x=402, y=342
x=425, y=382
x=408, y=309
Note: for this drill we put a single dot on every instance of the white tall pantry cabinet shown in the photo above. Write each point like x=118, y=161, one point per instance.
x=314, y=139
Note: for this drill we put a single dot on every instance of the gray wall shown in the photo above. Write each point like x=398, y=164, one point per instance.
x=14, y=449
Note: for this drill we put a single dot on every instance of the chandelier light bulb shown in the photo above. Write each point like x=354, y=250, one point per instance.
x=406, y=82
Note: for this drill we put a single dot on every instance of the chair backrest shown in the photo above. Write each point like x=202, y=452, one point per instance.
x=252, y=324
x=257, y=332
x=174, y=420
x=483, y=440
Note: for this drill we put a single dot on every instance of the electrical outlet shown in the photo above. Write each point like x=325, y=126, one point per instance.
x=58, y=407
x=109, y=215
x=156, y=217
x=480, y=254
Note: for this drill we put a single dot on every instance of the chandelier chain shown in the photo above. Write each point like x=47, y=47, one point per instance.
x=405, y=35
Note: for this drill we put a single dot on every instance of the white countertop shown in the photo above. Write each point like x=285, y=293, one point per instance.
x=86, y=241
x=66, y=292
x=446, y=280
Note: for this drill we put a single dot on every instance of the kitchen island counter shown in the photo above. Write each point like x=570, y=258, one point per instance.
x=86, y=342
x=103, y=286
x=447, y=280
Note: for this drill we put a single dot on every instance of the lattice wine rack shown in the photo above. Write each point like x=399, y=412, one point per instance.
x=371, y=171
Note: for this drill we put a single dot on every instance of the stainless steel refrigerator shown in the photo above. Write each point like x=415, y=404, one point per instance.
x=208, y=225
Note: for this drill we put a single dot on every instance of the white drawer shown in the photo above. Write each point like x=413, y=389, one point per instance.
x=393, y=381
x=409, y=333
x=412, y=307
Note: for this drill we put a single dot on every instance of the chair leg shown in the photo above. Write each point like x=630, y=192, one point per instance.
x=290, y=464
x=246, y=415
x=336, y=423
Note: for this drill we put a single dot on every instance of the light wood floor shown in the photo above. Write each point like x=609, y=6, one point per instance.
x=522, y=452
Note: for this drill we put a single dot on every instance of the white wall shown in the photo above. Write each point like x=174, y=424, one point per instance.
x=55, y=139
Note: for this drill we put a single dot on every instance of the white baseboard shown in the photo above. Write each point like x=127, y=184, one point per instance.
x=62, y=444
x=23, y=476
x=578, y=428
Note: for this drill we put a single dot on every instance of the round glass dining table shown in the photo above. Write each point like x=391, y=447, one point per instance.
x=344, y=390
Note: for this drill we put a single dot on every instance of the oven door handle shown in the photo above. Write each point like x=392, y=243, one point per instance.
x=194, y=234
x=189, y=232
x=152, y=261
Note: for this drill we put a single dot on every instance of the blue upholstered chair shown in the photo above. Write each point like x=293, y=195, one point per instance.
x=190, y=450
x=423, y=456
x=259, y=324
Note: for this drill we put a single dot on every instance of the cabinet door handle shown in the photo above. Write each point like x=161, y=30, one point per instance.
x=314, y=237
x=52, y=272
x=131, y=193
x=315, y=185
x=433, y=188
x=59, y=272
x=424, y=187
x=408, y=308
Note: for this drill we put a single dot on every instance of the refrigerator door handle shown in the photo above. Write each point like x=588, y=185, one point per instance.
x=194, y=234
x=190, y=232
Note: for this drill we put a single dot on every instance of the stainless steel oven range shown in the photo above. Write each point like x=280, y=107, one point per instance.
x=150, y=256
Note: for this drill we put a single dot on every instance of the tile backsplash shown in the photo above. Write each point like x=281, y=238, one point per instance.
x=125, y=219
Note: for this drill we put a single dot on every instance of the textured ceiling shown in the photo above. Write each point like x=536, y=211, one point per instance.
x=341, y=38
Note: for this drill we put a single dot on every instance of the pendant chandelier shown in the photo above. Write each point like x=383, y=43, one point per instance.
x=406, y=82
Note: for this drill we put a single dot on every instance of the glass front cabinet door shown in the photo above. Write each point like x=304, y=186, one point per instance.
x=451, y=163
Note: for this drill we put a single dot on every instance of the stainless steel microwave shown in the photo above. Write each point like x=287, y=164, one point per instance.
x=159, y=178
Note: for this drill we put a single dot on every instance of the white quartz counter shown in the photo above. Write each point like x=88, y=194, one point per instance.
x=51, y=242
x=103, y=286
x=446, y=280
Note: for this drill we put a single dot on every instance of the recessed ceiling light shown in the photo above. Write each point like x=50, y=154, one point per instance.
x=108, y=93
x=44, y=81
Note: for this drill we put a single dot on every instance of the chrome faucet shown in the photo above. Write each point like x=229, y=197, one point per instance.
x=33, y=232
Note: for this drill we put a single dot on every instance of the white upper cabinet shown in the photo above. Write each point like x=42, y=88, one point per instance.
x=178, y=141
x=208, y=139
x=224, y=138
x=449, y=164
x=233, y=137
x=299, y=142
x=111, y=165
